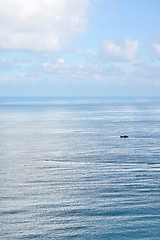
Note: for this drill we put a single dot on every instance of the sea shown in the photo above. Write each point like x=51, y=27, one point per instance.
x=65, y=173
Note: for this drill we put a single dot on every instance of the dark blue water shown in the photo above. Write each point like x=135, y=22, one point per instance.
x=66, y=174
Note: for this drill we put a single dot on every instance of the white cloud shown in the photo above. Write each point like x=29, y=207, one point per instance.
x=92, y=72
x=156, y=49
x=125, y=50
x=60, y=60
x=41, y=25
x=147, y=73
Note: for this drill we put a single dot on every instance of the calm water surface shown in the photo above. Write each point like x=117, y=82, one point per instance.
x=66, y=174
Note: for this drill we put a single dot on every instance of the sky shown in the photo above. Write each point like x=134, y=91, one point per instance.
x=79, y=48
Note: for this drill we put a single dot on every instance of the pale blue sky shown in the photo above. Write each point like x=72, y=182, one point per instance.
x=80, y=48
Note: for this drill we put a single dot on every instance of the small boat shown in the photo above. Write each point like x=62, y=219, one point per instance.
x=123, y=136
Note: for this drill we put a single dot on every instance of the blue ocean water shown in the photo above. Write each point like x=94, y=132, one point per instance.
x=66, y=173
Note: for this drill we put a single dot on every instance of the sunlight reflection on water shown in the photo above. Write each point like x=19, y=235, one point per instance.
x=66, y=174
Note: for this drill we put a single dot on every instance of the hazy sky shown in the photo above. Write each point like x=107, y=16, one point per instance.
x=80, y=47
